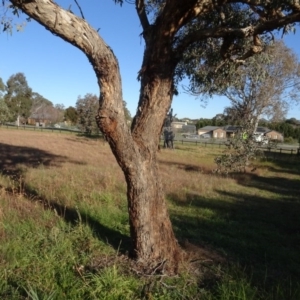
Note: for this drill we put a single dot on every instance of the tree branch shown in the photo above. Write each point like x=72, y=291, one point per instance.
x=223, y=32
x=140, y=8
x=79, y=33
x=79, y=9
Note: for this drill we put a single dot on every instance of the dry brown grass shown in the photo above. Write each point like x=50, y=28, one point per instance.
x=58, y=164
x=80, y=184
x=75, y=155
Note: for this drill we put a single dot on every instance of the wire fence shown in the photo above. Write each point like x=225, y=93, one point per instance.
x=275, y=150
x=39, y=128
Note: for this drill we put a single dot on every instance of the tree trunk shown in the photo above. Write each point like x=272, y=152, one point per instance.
x=153, y=241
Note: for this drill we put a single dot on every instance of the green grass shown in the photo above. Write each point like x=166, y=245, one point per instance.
x=64, y=230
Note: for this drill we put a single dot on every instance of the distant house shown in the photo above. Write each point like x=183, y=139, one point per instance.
x=178, y=125
x=275, y=135
x=37, y=119
x=270, y=134
x=183, y=127
x=215, y=132
x=262, y=130
x=231, y=130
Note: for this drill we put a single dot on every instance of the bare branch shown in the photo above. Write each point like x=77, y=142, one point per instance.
x=79, y=9
x=140, y=8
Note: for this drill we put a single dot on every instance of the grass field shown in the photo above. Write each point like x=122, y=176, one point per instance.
x=64, y=230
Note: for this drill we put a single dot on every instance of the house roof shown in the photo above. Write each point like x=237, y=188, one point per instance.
x=231, y=128
x=178, y=123
x=210, y=128
x=271, y=130
x=262, y=129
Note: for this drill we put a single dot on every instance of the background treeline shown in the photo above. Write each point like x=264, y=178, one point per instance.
x=20, y=105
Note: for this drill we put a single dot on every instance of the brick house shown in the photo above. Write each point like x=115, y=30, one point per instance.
x=215, y=132
x=270, y=134
x=231, y=130
x=274, y=135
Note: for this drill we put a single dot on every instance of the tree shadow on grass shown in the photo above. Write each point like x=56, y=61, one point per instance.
x=260, y=234
x=74, y=216
x=91, y=136
x=187, y=167
x=13, y=158
x=285, y=188
x=286, y=164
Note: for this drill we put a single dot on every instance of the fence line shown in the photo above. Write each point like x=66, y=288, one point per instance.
x=269, y=150
x=36, y=128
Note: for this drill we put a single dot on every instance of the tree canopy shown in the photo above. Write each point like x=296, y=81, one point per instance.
x=4, y=111
x=86, y=108
x=18, y=96
x=22, y=103
x=265, y=86
x=71, y=115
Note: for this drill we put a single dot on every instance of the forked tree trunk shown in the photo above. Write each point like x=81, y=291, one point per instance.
x=154, y=243
x=151, y=231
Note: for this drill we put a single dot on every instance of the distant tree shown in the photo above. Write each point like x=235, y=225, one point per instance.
x=38, y=100
x=86, y=108
x=58, y=113
x=218, y=120
x=41, y=109
x=293, y=121
x=266, y=85
x=2, y=88
x=127, y=113
x=286, y=128
x=203, y=122
x=18, y=96
x=71, y=115
x=4, y=112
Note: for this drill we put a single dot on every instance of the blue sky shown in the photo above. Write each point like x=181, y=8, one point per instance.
x=61, y=73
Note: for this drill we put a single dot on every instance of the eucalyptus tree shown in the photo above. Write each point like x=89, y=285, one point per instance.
x=86, y=108
x=4, y=111
x=2, y=87
x=265, y=86
x=71, y=115
x=209, y=36
x=41, y=107
x=127, y=113
x=18, y=96
x=58, y=113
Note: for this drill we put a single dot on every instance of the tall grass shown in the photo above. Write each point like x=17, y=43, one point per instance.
x=64, y=230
